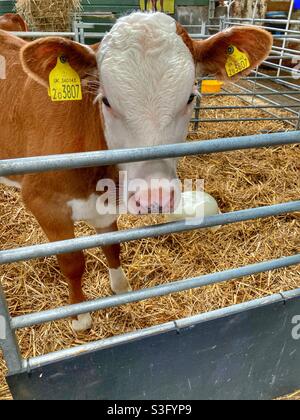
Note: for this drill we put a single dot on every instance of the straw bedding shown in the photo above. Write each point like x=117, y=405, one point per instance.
x=48, y=15
x=237, y=180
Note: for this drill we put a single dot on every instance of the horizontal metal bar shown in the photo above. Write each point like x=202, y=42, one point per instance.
x=295, y=38
x=152, y=331
x=263, y=76
x=289, y=32
x=228, y=107
x=105, y=239
x=78, y=15
x=292, y=55
x=271, y=28
x=96, y=345
x=291, y=37
x=250, y=99
x=266, y=99
x=244, y=119
x=153, y=292
x=281, y=57
x=280, y=80
x=290, y=70
x=253, y=91
x=285, y=48
x=282, y=21
x=275, y=92
x=43, y=34
x=86, y=25
x=267, y=93
x=258, y=83
x=100, y=35
x=112, y=157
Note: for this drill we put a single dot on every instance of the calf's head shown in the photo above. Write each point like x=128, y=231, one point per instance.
x=147, y=66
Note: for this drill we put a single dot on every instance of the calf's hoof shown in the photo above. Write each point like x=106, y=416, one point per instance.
x=118, y=281
x=82, y=323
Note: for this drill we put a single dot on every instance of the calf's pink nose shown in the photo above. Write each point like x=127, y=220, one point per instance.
x=153, y=201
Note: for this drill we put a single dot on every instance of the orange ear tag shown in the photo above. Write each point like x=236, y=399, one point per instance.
x=64, y=82
x=237, y=61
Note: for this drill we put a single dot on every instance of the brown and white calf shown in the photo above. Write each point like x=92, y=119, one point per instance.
x=146, y=68
x=13, y=23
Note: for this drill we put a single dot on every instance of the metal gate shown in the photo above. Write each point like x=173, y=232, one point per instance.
x=37, y=369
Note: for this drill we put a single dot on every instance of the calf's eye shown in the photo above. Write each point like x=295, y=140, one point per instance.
x=105, y=101
x=192, y=97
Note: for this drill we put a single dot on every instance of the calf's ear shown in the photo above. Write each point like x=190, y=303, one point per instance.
x=40, y=57
x=212, y=54
x=23, y=25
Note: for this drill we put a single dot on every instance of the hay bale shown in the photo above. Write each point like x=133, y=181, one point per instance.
x=48, y=15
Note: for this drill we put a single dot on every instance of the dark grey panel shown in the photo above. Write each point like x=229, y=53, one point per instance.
x=248, y=355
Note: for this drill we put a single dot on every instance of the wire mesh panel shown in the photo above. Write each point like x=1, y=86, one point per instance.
x=271, y=93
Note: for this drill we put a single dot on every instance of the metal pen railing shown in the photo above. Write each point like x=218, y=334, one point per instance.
x=9, y=345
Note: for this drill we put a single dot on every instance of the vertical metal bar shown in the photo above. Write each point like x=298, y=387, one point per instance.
x=8, y=340
x=254, y=86
x=75, y=30
x=199, y=97
x=285, y=40
x=198, y=108
x=254, y=12
x=82, y=37
x=212, y=6
x=298, y=124
x=223, y=24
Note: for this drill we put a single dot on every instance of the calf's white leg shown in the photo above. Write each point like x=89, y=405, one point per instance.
x=118, y=281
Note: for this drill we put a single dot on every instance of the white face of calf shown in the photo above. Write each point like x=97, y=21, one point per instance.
x=147, y=77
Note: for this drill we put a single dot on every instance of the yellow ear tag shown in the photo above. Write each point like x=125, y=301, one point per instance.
x=237, y=61
x=64, y=82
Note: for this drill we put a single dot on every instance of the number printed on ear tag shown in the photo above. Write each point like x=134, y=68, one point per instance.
x=64, y=82
x=237, y=61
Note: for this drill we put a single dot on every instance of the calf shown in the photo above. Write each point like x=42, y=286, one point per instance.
x=13, y=23
x=146, y=68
